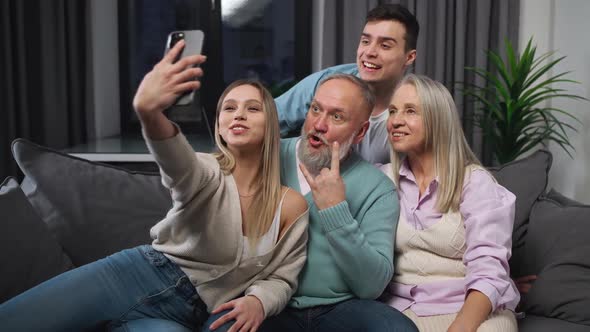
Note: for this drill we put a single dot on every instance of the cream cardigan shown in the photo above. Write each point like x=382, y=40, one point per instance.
x=202, y=233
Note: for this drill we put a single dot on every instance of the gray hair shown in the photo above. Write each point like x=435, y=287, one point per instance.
x=368, y=95
x=443, y=137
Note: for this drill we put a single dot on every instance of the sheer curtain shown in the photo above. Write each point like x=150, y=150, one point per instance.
x=43, y=74
x=453, y=34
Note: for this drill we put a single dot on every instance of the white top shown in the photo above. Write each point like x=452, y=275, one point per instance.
x=304, y=187
x=269, y=239
x=374, y=147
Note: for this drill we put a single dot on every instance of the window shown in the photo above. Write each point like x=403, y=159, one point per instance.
x=257, y=38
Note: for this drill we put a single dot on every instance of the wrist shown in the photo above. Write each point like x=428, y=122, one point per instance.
x=327, y=205
x=146, y=115
x=255, y=299
x=157, y=126
x=331, y=201
x=466, y=324
x=336, y=217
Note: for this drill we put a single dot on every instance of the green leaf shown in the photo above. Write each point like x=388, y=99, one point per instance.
x=549, y=110
x=491, y=107
x=489, y=77
x=511, y=56
x=542, y=98
x=497, y=61
x=541, y=71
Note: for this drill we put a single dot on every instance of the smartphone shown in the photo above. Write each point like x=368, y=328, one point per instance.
x=193, y=45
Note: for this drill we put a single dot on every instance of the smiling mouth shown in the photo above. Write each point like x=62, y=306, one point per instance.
x=397, y=136
x=370, y=66
x=237, y=129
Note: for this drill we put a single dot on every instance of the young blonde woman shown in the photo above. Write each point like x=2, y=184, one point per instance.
x=234, y=240
x=453, y=238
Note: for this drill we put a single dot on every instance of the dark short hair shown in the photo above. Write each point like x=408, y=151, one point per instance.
x=399, y=13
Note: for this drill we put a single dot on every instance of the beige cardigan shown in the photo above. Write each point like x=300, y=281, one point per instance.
x=202, y=233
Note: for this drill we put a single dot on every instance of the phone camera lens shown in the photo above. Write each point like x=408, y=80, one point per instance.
x=175, y=38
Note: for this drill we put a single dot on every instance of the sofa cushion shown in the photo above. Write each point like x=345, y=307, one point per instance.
x=527, y=179
x=30, y=254
x=533, y=323
x=561, y=199
x=93, y=209
x=558, y=251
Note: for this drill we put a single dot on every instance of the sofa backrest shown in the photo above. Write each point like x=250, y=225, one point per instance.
x=93, y=209
x=31, y=254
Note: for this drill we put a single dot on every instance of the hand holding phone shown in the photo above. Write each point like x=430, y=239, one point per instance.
x=167, y=82
x=193, y=45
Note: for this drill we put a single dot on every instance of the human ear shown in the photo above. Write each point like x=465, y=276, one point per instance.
x=361, y=133
x=410, y=57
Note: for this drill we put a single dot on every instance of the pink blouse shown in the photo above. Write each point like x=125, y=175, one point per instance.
x=488, y=214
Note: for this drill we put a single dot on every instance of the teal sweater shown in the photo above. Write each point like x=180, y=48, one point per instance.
x=350, y=246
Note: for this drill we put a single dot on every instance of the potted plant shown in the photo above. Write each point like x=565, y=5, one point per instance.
x=514, y=116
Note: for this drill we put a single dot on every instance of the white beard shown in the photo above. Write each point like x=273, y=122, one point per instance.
x=317, y=160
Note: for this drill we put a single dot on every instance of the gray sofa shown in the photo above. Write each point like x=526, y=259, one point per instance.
x=68, y=212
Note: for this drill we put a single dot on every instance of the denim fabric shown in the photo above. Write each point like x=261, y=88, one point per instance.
x=151, y=324
x=348, y=316
x=135, y=289
x=212, y=318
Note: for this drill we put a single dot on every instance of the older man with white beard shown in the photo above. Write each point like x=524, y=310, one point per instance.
x=353, y=216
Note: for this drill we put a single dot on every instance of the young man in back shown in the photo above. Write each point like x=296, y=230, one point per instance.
x=387, y=47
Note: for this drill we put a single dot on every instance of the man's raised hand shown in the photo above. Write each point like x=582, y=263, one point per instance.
x=327, y=188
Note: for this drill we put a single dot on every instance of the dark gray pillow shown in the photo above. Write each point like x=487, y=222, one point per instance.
x=30, y=254
x=527, y=179
x=93, y=209
x=533, y=323
x=558, y=251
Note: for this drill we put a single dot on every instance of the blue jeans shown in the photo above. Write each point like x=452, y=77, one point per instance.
x=213, y=317
x=137, y=289
x=348, y=316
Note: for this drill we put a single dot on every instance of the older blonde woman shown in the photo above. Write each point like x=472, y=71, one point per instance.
x=453, y=238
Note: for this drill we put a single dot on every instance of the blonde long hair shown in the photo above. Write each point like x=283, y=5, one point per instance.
x=262, y=210
x=444, y=138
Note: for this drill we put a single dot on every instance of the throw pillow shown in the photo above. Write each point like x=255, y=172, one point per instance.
x=93, y=209
x=31, y=254
x=527, y=179
x=558, y=251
